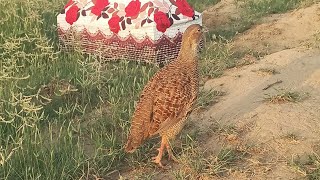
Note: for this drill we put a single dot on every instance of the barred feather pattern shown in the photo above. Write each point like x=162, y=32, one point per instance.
x=168, y=97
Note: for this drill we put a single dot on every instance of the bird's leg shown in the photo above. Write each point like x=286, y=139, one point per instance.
x=170, y=154
x=157, y=159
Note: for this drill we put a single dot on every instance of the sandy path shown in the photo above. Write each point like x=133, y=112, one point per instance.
x=289, y=38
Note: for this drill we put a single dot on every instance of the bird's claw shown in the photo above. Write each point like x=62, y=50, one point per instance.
x=157, y=160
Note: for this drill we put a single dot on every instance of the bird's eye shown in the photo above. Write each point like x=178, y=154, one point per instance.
x=199, y=29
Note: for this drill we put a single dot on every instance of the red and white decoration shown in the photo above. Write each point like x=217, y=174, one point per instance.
x=141, y=30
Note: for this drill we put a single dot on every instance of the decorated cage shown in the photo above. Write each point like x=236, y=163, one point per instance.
x=140, y=30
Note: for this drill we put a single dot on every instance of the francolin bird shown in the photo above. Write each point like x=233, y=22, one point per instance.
x=167, y=99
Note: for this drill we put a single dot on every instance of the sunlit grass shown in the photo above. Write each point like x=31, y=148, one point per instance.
x=262, y=7
x=65, y=115
x=202, y=5
x=62, y=115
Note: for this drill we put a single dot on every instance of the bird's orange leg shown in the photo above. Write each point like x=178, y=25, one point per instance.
x=170, y=154
x=157, y=159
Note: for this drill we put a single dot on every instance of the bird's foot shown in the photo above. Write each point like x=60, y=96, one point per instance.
x=157, y=160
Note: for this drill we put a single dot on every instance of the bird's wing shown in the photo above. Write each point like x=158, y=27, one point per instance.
x=163, y=102
x=172, y=102
x=170, y=121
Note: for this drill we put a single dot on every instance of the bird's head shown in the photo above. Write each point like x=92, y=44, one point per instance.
x=191, y=39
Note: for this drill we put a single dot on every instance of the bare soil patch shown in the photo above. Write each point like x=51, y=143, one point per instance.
x=280, y=32
x=220, y=14
x=268, y=136
x=282, y=131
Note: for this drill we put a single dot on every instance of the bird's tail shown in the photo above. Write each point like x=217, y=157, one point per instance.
x=141, y=122
x=131, y=145
x=140, y=125
x=136, y=136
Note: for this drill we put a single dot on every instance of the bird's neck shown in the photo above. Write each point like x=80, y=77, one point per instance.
x=188, y=60
x=188, y=54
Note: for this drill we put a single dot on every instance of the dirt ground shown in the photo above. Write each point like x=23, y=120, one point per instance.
x=281, y=131
x=273, y=134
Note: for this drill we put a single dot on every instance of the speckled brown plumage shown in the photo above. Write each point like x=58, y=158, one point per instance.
x=167, y=99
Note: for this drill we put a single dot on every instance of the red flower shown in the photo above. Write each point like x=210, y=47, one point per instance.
x=99, y=6
x=185, y=8
x=72, y=14
x=133, y=8
x=114, y=24
x=68, y=4
x=162, y=21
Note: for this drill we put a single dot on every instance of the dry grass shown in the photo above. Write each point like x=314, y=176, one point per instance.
x=270, y=71
x=195, y=163
x=291, y=137
x=207, y=98
x=309, y=168
x=285, y=96
x=65, y=115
